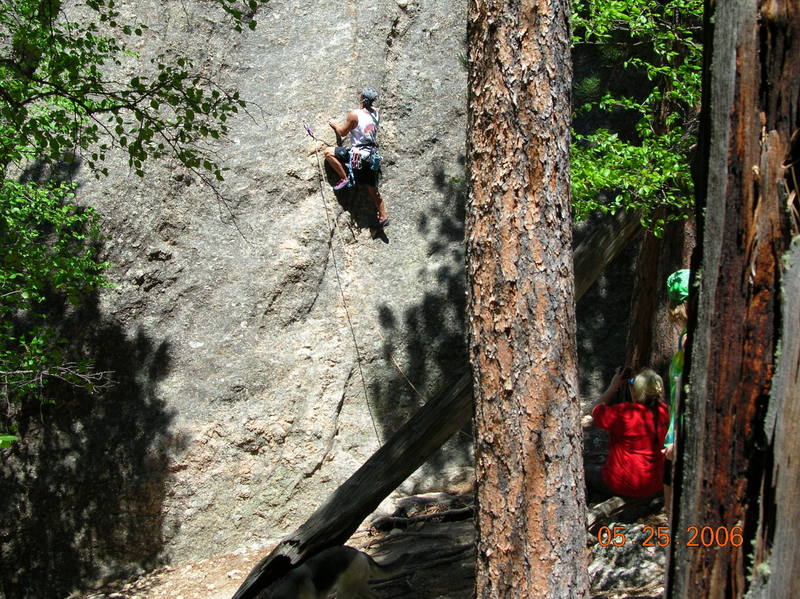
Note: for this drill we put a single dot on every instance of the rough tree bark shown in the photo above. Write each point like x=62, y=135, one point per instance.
x=738, y=464
x=529, y=467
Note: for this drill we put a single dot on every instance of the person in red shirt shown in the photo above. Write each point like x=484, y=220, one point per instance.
x=636, y=430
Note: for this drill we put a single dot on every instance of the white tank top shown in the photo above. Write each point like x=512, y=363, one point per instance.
x=366, y=132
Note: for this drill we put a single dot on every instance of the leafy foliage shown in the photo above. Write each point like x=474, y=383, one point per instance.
x=60, y=101
x=647, y=97
x=7, y=440
x=64, y=99
x=44, y=252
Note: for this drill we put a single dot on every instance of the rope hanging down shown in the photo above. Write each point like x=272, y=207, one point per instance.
x=338, y=278
x=424, y=399
x=310, y=131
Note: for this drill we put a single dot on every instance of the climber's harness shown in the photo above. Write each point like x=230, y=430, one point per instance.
x=365, y=154
x=360, y=154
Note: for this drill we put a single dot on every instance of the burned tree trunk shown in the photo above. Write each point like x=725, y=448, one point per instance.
x=737, y=459
x=529, y=466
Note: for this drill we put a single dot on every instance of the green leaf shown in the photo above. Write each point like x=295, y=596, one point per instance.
x=644, y=85
x=7, y=440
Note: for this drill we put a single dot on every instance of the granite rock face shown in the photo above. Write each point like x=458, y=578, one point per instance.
x=263, y=339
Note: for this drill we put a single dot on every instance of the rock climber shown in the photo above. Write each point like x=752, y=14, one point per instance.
x=359, y=164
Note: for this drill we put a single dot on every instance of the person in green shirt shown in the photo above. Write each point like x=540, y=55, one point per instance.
x=677, y=292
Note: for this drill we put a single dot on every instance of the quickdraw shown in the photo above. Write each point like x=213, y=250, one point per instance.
x=365, y=154
x=310, y=131
x=355, y=159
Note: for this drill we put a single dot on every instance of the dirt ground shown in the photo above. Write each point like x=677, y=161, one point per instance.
x=213, y=578
x=434, y=546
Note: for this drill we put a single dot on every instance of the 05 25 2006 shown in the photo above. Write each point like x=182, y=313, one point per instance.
x=660, y=536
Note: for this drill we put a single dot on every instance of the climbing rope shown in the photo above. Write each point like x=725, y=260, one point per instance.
x=335, y=227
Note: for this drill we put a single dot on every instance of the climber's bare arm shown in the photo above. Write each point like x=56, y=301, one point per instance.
x=350, y=122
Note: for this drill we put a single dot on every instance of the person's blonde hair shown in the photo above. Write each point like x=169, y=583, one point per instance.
x=677, y=313
x=648, y=387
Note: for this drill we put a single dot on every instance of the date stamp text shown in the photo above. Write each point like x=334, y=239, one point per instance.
x=660, y=536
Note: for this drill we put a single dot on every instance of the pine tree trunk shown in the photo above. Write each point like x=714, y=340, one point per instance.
x=531, y=507
x=738, y=465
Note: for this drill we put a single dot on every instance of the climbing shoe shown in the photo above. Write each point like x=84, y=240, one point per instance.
x=383, y=223
x=342, y=184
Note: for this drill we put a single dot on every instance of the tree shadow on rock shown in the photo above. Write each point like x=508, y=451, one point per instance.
x=433, y=351
x=83, y=490
x=602, y=316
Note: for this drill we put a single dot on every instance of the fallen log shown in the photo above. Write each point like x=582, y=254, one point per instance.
x=408, y=448
x=614, y=508
x=600, y=247
x=387, y=523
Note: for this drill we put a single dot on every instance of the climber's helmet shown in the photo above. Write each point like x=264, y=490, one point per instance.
x=368, y=96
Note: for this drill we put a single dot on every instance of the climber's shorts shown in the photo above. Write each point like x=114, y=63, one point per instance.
x=343, y=154
x=363, y=175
